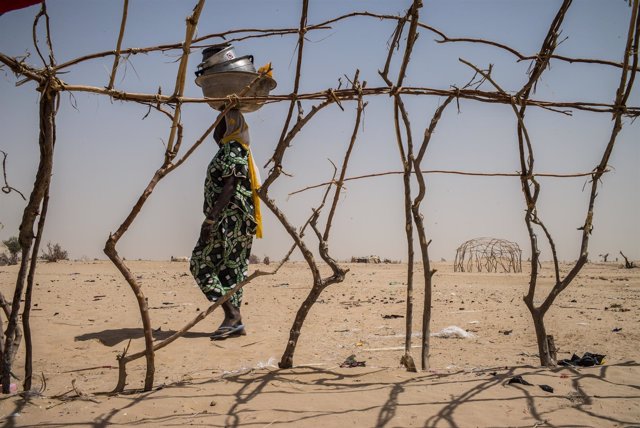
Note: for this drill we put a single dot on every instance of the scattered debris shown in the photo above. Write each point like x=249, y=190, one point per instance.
x=270, y=363
x=518, y=379
x=351, y=362
x=587, y=360
x=617, y=329
x=546, y=388
x=453, y=331
x=617, y=307
x=578, y=398
x=80, y=395
x=408, y=363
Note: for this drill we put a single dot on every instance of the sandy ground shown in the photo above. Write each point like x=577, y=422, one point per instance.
x=85, y=313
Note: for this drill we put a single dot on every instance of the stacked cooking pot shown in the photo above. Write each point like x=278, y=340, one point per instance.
x=221, y=73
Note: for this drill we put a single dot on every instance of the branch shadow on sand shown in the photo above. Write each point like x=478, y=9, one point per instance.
x=581, y=399
x=112, y=337
x=290, y=389
x=450, y=411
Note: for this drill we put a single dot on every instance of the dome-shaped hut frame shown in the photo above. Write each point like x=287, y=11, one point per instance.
x=488, y=254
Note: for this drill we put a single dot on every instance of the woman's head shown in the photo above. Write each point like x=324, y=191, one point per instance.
x=232, y=126
x=220, y=130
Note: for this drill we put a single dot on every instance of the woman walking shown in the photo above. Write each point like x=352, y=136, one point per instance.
x=232, y=217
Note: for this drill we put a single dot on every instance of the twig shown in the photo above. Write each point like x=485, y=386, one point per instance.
x=446, y=171
x=34, y=34
x=28, y=365
x=192, y=23
x=342, y=95
x=46, y=142
x=82, y=395
x=296, y=83
x=116, y=60
x=6, y=188
x=274, y=32
x=405, y=158
x=343, y=172
x=110, y=246
x=422, y=238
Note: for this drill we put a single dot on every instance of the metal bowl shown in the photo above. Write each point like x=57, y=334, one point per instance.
x=243, y=63
x=221, y=85
x=217, y=54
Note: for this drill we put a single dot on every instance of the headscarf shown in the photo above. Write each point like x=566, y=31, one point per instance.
x=238, y=130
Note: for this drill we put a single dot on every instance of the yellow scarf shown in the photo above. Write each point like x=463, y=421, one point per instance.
x=253, y=177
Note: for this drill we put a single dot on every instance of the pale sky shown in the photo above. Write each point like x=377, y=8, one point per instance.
x=106, y=154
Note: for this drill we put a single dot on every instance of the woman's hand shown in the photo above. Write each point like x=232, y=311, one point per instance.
x=218, y=206
x=206, y=230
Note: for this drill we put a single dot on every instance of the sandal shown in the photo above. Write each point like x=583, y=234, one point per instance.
x=228, y=331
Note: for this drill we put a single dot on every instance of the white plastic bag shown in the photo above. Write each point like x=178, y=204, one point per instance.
x=453, y=331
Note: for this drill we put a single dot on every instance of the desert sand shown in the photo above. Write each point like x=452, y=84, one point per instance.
x=84, y=314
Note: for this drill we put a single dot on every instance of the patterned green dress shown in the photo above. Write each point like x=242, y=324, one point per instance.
x=221, y=261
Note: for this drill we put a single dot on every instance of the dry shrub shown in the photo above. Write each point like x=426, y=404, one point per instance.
x=4, y=259
x=54, y=253
x=13, y=245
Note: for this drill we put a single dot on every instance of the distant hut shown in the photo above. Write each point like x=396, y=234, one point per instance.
x=368, y=259
x=489, y=255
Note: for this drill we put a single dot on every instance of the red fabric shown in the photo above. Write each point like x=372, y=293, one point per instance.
x=7, y=5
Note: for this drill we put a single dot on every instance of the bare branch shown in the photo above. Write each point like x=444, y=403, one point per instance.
x=347, y=156
x=296, y=83
x=116, y=60
x=6, y=188
x=453, y=172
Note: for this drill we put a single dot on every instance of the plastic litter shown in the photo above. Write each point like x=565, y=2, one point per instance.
x=453, y=331
x=351, y=362
x=546, y=388
x=587, y=360
x=519, y=380
x=270, y=363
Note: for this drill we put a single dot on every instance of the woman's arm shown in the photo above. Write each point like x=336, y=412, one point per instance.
x=220, y=203
x=228, y=187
